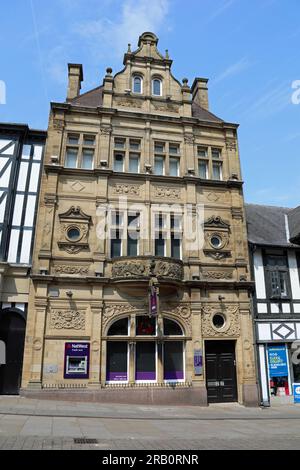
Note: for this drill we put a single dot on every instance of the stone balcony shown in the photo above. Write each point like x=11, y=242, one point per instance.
x=141, y=268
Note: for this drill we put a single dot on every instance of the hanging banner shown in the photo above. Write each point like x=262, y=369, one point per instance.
x=153, y=300
x=278, y=366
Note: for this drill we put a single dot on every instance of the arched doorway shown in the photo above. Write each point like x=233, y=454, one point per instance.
x=12, y=333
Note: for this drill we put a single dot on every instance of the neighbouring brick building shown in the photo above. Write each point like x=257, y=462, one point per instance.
x=141, y=191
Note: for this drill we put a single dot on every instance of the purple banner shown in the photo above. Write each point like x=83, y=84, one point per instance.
x=153, y=301
x=145, y=376
x=173, y=375
x=116, y=376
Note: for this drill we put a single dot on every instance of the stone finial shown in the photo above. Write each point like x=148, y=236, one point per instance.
x=109, y=70
x=167, y=54
x=129, y=48
x=185, y=81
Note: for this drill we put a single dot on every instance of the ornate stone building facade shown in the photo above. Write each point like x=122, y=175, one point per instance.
x=141, y=190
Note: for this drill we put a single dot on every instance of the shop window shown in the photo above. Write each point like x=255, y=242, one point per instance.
x=145, y=326
x=119, y=328
x=171, y=328
x=117, y=361
x=145, y=368
x=173, y=360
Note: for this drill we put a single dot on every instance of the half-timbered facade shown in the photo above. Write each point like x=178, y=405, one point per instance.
x=141, y=192
x=274, y=237
x=21, y=156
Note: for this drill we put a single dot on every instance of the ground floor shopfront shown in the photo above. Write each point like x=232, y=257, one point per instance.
x=278, y=355
x=189, y=353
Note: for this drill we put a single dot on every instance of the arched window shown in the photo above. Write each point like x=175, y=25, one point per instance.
x=156, y=87
x=152, y=349
x=137, y=84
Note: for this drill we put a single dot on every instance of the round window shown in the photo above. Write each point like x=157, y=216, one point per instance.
x=73, y=233
x=216, y=241
x=218, y=321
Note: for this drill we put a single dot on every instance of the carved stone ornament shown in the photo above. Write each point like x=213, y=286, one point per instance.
x=74, y=219
x=111, y=311
x=129, y=102
x=66, y=269
x=217, y=255
x=144, y=267
x=180, y=310
x=105, y=129
x=189, y=139
x=217, y=275
x=129, y=189
x=167, y=192
x=231, y=327
x=216, y=228
x=58, y=124
x=67, y=320
x=216, y=222
x=231, y=144
x=166, y=107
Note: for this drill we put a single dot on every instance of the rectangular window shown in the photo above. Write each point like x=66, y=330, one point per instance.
x=119, y=143
x=159, y=147
x=159, y=165
x=117, y=361
x=203, y=169
x=175, y=246
x=134, y=144
x=132, y=234
x=217, y=171
x=116, y=244
x=89, y=140
x=145, y=368
x=73, y=139
x=216, y=153
x=71, y=158
x=278, y=280
x=202, y=152
x=174, y=166
x=134, y=163
x=87, y=159
x=174, y=149
x=173, y=360
x=160, y=245
x=119, y=162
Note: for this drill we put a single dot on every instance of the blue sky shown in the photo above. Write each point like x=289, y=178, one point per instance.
x=248, y=49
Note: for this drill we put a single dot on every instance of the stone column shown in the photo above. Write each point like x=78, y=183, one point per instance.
x=95, y=347
x=36, y=344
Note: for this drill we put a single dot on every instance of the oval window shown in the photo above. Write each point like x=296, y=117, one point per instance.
x=216, y=241
x=73, y=234
x=218, y=321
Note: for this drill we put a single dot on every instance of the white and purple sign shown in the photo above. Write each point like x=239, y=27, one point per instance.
x=198, y=362
x=77, y=361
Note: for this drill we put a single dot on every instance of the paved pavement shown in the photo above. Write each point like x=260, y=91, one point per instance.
x=44, y=424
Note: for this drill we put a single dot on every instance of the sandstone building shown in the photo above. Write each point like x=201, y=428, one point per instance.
x=141, y=192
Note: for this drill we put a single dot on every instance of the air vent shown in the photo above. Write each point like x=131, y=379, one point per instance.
x=83, y=440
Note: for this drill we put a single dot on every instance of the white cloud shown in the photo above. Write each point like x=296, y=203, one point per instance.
x=110, y=37
x=233, y=69
x=219, y=11
x=274, y=100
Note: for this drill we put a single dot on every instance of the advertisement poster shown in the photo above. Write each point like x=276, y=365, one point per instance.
x=277, y=357
x=77, y=358
x=198, y=362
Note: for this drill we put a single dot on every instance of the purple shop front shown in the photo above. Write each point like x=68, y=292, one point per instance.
x=77, y=361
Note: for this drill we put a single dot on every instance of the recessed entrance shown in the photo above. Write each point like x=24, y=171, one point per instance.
x=220, y=371
x=12, y=332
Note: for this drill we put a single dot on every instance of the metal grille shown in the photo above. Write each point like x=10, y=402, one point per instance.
x=83, y=440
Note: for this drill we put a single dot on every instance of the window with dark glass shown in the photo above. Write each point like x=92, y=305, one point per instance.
x=145, y=356
x=171, y=328
x=277, y=275
x=145, y=326
x=117, y=361
x=119, y=328
x=137, y=84
x=173, y=360
x=156, y=87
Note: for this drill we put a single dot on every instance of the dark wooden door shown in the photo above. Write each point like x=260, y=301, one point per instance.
x=220, y=371
x=12, y=332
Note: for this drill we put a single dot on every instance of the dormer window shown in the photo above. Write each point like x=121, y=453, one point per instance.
x=156, y=87
x=137, y=84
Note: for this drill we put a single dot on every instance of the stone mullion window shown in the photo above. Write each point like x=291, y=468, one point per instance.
x=80, y=151
x=130, y=149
